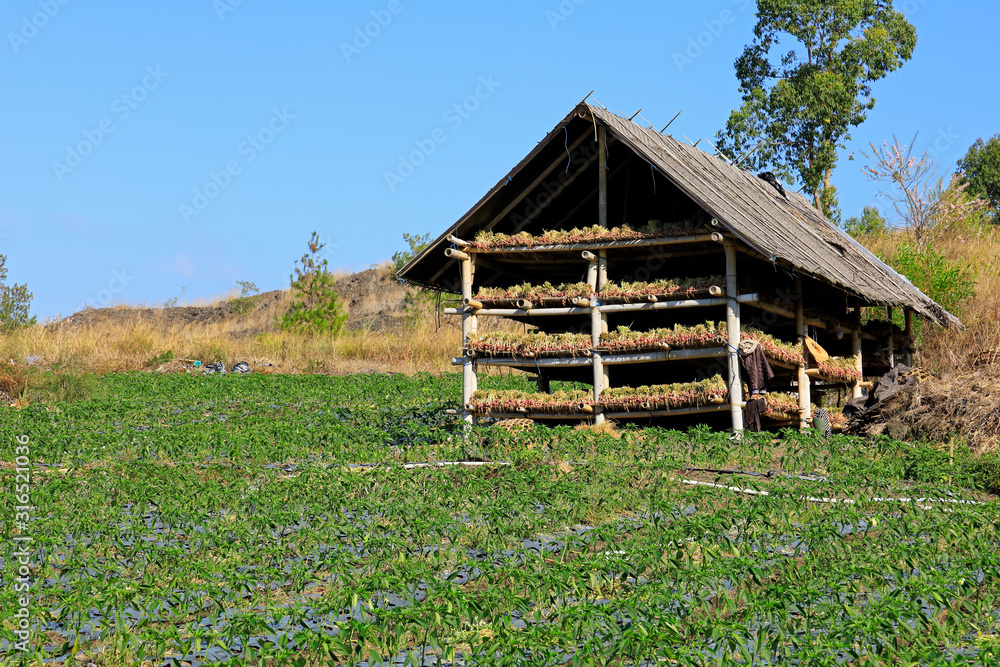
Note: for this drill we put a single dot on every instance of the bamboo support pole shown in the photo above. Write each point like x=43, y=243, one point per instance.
x=602, y=270
x=733, y=332
x=522, y=312
x=908, y=330
x=666, y=355
x=472, y=304
x=667, y=413
x=662, y=305
x=805, y=401
x=457, y=241
x=470, y=325
x=890, y=342
x=452, y=253
x=856, y=390
x=592, y=270
x=543, y=384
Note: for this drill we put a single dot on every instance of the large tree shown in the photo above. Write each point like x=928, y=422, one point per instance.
x=806, y=81
x=980, y=168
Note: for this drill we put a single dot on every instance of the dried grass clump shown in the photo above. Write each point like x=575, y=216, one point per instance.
x=938, y=407
x=842, y=370
x=560, y=402
x=529, y=345
x=548, y=294
x=595, y=234
x=666, y=396
x=679, y=336
x=774, y=348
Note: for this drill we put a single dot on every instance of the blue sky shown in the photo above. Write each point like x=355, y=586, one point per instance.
x=154, y=147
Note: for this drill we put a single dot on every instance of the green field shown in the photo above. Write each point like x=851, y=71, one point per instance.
x=271, y=520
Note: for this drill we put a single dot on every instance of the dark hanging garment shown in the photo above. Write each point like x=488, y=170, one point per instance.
x=757, y=371
x=752, y=415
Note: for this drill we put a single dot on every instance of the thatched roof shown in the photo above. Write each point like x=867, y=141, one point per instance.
x=785, y=231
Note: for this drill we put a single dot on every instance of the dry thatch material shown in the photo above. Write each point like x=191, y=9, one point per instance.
x=938, y=407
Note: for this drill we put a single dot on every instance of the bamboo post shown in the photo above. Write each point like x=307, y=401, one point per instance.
x=733, y=330
x=908, y=318
x=891, y=343
x=602, y=270
x=598, y=320
x=470, y=325
x=592, y=269
x=805, y=400
x=856, y=349
x=951, y=455
x=542, y=382
x=597, y=360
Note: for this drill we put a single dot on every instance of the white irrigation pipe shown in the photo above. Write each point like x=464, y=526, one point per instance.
x=846, y=501
x=461, y=464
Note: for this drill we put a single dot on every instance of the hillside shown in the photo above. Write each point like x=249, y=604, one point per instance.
x=382, y=333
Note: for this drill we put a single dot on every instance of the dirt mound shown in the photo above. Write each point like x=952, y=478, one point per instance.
x=937, y=406
x=179, y=316
x=372, y=298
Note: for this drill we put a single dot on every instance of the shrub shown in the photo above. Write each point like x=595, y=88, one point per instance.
x=317, y=307
x=244, y=303
x=871, y=223
x=949, y=282
x=417, y=243
x=15, y=302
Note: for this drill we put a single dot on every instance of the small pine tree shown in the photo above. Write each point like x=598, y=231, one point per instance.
x=15, y=302
x=317, y=308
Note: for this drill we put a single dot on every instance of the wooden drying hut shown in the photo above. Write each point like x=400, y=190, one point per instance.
x=609, y=231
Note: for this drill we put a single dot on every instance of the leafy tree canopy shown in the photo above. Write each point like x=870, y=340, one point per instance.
x=806, y=81
x=980, y=168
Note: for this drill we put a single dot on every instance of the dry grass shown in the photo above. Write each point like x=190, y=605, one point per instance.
x=978, y=344
x=131, y=339
x=130, y=345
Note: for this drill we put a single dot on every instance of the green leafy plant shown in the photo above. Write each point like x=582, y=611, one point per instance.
x=244, y=303
x=160, y=359
x=15, y=302
x=871, y=223
x=317, y=308
x=980, y=169
x=946, y=281
x=417, y=243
